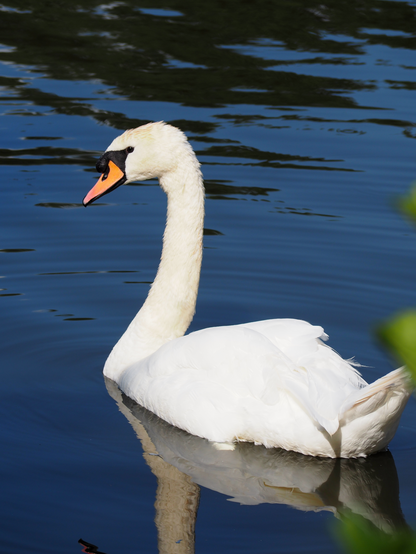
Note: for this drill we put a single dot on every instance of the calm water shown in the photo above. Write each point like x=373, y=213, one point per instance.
x=303, y=115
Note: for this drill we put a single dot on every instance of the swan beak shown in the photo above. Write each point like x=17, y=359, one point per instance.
x=112, y=178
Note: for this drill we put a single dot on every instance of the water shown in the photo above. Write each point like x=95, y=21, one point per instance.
x=303, y=116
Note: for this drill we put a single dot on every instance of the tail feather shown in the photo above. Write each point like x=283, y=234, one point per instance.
x=367, y=399
x=370, y=416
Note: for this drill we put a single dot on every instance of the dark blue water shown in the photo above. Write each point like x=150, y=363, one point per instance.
x=304, y=119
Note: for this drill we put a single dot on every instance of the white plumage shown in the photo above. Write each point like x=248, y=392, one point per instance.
x=270, y=382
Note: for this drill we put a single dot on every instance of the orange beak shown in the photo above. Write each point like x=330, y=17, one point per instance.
x=111, y=179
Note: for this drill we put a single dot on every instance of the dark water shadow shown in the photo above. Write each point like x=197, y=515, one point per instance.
x=202, y=57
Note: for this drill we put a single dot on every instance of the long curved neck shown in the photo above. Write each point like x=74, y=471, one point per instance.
x=170, y=304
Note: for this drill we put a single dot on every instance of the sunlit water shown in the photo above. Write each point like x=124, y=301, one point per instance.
x=304, y=120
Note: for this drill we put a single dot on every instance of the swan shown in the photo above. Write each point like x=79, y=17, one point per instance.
x=270, y=382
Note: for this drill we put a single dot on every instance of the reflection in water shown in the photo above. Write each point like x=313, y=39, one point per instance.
x=89, y=548
x=195, y=58
x=251, y=474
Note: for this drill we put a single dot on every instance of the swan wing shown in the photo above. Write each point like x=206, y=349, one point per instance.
x=331, y=380
x=224, y=370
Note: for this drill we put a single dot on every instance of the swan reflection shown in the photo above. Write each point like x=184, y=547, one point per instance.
x=251, y=474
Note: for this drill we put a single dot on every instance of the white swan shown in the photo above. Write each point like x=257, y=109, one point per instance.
x=270, y=382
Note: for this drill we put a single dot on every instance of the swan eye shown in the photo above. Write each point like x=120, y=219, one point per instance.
x=129, y=149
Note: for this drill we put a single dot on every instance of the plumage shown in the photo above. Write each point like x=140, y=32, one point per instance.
x=270, y=382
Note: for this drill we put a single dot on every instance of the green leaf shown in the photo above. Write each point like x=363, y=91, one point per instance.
x=360, y=537
x=399, y=335
x=407, y=204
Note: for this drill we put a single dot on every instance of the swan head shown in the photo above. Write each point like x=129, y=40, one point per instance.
x=149, y=151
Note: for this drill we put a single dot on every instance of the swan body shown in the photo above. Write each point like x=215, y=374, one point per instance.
x=270, y=382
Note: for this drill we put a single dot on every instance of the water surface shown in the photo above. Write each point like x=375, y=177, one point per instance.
x=303, y=117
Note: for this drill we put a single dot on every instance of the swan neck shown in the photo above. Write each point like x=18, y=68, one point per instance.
x=170, y=304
